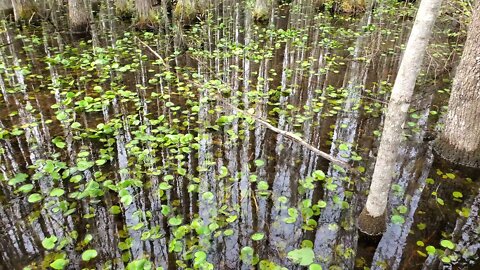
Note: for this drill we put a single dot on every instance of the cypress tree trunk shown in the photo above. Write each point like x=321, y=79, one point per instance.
x=185, y=10
x=372, y=219
x=123, y=8
x=261, y=10
x=459, y=141
x=143, y=8
x=23, y=9
x=78, y=15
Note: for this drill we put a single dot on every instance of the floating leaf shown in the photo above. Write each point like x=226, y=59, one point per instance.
x=303, y=256
x=57, y=192
x=175, y=221
x=89, y=254
x=115, y=209
x=231, y=219
x=430, y=250
x=75, y=179
x=457, y=194
x=181, y=171
x=59, y=264
x=208, y=196
x=35, y=197
x=262, y=185
x=315, y=266
x=142, y=264
x=62, y=116
x=258, y=236
x=402, y=209
x=319, y=175
x=25, y=188
x=259, y=163
x=322, y=204
x=446, y=260
x=450, y=175
x=19, y=178
x=398, y=219
x=246, y=254
x=83, y=165
x=343, y=147
x=447, y=244
x=49, y=242
x=200, y=258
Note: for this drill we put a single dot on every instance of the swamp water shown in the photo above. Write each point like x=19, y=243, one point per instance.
x=113, y=156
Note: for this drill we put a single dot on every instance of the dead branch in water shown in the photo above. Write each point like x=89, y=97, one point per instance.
x=284, y=133
x=292, y=137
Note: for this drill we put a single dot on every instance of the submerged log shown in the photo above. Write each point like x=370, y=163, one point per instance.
x=124, y=8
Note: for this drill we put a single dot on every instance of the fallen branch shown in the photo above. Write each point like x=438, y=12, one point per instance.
x=292, y=137
x=284, y=133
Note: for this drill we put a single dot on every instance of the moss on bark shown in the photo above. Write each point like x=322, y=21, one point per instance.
x=78, y=15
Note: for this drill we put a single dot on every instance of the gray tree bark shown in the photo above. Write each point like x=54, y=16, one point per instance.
x=78, y=15
x=143, y=8
x=459, y=141
x=372, y=218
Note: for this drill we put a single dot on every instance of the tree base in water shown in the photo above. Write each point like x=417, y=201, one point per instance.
x=146, y=24
x=81, y=28
x=260, y=14
x=449, y=152
x=371, y=225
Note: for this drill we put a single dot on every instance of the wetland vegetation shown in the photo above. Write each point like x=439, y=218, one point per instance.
x=228, y=135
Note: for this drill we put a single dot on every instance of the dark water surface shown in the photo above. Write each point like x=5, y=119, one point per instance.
x=107, y=148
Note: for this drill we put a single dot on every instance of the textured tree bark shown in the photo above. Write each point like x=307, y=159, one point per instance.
x=144, y=8
x=78, y=15
x=372, y=218
x=459, y=141
x=23, y=9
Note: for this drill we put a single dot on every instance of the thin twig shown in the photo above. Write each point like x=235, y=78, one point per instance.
x=154, y=52
x=292, y=137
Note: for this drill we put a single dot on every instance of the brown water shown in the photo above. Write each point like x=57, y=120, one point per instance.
x=159, y=142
